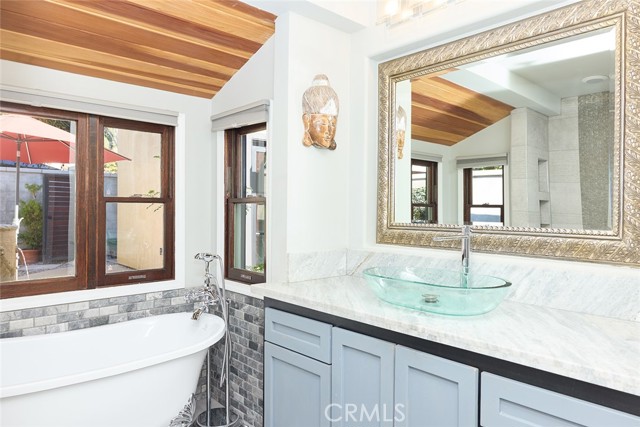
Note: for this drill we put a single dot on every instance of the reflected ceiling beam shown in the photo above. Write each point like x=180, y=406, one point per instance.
x=446, y=113
x=501, y=84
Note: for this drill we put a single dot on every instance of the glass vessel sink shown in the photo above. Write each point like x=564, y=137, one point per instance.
x=437, y=291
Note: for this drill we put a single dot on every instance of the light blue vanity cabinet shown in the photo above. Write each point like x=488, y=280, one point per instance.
x=509, y=403
x=297, y=371
x=433, y=392
x=362, y=380
x=317, y=374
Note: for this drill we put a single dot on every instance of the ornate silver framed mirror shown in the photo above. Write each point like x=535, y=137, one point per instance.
x=528, y=132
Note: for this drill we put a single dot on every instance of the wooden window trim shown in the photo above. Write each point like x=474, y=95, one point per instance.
x=166, y=199
x=90, y=248
x=468, y=196
x=233, y=188
x=432, y=177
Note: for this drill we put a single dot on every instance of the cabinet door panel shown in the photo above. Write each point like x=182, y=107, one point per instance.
x=434, y=392
x=509, y=403
x=297, y=333
x=362, y=380
x=297, y=389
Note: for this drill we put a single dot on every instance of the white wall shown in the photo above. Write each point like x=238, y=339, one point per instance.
x=316, y=180
x=194, y=172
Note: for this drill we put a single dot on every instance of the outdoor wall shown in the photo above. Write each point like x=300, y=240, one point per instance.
x=139, y=225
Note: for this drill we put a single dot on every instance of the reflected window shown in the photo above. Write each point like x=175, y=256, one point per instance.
x=245, y=194
x=484, y=195
x=424, y=191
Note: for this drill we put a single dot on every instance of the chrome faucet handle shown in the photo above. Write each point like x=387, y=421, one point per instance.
x=193, y=295
x=466, y=234
x=205, y=256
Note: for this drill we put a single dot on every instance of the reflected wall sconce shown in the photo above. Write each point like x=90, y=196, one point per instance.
x=320, y=114
x=401, y=129
x=393, y=12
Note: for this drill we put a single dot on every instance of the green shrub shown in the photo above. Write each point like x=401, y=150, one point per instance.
x=32, y=224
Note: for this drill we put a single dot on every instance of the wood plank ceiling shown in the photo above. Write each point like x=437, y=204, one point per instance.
x=446, y=113
x=191, y=47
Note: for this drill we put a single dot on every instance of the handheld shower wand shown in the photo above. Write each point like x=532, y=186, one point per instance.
x=208, y=258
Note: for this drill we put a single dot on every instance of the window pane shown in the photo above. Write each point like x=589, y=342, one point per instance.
x=419, y=187
x=134, y=237
x=249, y=236
x=423, y=214
x=136, y=171
x=44, y=245
x=487, y=185
x=254, y=158
x=485, y=216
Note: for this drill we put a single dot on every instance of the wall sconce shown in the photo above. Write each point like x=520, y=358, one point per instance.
x=401, y=129
x=320, y=114
x=393, y=12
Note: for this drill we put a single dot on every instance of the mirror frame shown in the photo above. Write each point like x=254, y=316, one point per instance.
x=621, y=245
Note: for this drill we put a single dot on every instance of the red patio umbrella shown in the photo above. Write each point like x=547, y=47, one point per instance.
x=27, y=140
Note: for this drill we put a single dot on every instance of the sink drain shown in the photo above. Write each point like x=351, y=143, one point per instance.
x=430, y=298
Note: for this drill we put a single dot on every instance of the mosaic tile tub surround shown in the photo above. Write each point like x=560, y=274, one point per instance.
x=87, y=314
x=246, y=326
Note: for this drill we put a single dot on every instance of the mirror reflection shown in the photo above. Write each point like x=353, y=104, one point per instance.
x=524, y=139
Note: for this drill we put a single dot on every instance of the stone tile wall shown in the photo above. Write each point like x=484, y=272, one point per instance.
x=87, y=314
x=246, y=326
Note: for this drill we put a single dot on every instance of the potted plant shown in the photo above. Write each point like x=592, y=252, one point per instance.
x=30, y=235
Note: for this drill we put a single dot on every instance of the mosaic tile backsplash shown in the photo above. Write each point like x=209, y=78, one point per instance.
x=87, y=314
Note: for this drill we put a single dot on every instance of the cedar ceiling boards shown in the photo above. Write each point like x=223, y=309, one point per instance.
x=445, y=113
x=191, y=47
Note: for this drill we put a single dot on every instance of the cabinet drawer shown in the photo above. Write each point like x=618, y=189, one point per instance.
x=509, y=403
x=302, y=335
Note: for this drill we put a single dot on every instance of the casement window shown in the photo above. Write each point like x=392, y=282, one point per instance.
x=106, y=204
x=424, y=191
x=484, y=195
x=245, y=203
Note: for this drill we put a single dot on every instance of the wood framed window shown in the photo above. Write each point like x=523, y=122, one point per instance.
x=484, y=195
x=104, y=197
x=424, y=191
x=245, y=203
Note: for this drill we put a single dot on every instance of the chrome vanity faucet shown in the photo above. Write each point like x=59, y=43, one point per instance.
x=465, y=236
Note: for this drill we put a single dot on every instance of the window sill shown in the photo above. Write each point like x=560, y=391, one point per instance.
x=241, y=288
x=20, y=303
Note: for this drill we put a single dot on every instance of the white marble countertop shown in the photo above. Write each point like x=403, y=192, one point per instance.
x=598, y=350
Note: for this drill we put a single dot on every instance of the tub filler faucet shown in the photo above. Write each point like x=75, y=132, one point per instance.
x=208, y=295
x=214, y=293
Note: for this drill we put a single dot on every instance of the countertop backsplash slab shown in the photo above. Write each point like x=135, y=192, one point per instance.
x=317, y=265
x=599, y=350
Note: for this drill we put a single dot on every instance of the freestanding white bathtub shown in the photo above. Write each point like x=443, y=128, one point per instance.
x=138, y=373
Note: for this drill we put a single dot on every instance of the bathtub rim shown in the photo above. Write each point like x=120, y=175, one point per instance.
x=77, y=378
